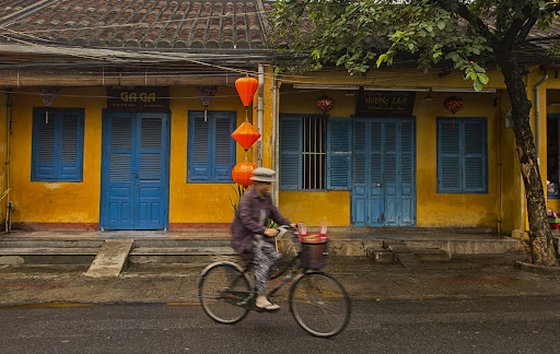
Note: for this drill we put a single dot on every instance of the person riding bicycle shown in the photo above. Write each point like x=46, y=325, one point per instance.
x=251, y=238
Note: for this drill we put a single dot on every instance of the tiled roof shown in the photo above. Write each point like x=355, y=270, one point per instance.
x=173, y=24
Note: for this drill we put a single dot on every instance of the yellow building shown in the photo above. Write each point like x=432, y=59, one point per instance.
x=143, y=142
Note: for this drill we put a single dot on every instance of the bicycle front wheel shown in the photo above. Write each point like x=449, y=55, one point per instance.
x=319, y=304
x=222, y=289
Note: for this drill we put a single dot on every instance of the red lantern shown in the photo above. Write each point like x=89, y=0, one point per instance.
x=453, y=104
x=246, y=135
x=246, y=88
x=324, y=104
x=242, y=173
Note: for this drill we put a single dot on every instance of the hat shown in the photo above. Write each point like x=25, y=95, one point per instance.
x=263, y=174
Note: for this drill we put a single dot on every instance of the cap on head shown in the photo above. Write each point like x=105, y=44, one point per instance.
x=263, y=174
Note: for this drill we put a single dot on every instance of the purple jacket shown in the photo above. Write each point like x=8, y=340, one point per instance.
x=246, y=222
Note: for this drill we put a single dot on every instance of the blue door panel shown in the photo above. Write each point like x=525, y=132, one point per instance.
x=135, y=169
x=383, y=169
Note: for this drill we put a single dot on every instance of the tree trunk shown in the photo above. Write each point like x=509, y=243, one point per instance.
x=541, y=242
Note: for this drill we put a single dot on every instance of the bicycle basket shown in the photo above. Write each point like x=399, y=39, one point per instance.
x=313, y=254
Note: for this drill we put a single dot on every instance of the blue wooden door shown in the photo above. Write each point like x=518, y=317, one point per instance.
x=383, y=186
x=135, y=171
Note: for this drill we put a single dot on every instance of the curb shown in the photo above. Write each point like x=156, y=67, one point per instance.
x=536, y=268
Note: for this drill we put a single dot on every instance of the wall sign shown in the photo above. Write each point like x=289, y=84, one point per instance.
x=138, y=99
x=385, y=103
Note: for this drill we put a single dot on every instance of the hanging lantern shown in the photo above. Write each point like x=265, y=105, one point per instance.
x=246, y=88
x=246, y=135
x=324, y=104
x=242, y=173
x=453, y=103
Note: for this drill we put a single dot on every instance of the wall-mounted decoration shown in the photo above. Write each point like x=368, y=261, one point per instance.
x=324, y=104
x=48, y=94
x=205, y=93
x=376, y=103
x=138, y=99
x=453, y=104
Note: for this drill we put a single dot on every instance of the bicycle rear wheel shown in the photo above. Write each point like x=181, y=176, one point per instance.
x=319, y=304
x=222, y=289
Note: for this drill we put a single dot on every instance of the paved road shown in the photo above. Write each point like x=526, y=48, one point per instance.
x=490, y=325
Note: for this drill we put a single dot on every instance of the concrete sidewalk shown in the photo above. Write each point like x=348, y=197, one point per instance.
x=462, y=277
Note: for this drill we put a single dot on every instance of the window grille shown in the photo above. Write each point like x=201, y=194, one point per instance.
x=314, y=153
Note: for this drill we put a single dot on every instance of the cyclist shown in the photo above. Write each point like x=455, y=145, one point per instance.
x=250, y=236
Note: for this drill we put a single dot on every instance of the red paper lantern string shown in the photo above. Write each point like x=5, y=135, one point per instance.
x=242, y=173
x=246, y=135
x=246, y=88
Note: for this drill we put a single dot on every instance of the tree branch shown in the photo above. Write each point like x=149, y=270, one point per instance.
x=463, y=11
x=551, y=10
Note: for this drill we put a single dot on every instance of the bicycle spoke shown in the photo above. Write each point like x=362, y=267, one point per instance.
x=320, y=304
x=221, y=289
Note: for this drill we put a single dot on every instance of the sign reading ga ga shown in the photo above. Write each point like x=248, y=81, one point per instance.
x=138, y=99
x=135, y=96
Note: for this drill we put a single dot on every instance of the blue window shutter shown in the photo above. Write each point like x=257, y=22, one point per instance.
x=339, y=153
x=211, y=149
x=462, y=156
x=475, y=165
x=57, y=148
x=199, y=147
x=71, y=145
x=44, y=147
x=449, y=156
x=290, y=153
x=224, y=147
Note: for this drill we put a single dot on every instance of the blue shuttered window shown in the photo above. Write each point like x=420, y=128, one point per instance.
x=462, y=156
x=291, y=153
x=339, y=154
x=211, y=149
x=295, y=166
x=57, y=147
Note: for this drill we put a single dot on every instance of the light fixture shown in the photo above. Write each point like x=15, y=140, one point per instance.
x=462, y=90
x=400, y=89
x=325, y=87
x=428, y=97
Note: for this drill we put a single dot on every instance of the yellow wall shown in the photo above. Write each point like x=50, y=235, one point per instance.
x=44, y=202
x=196, y=202
x=3, y=158
x=433, y=209
x=60, y=203
x=40, y=202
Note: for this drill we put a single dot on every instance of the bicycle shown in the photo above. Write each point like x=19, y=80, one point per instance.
x=318, y=302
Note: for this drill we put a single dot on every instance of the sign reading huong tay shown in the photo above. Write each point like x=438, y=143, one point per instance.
x=376, y=103
x=138, y=99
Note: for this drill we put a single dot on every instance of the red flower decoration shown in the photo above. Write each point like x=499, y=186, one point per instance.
x=324, y=104
x=453, y=104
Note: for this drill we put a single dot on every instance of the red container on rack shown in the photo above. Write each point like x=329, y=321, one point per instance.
x=313, y=247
